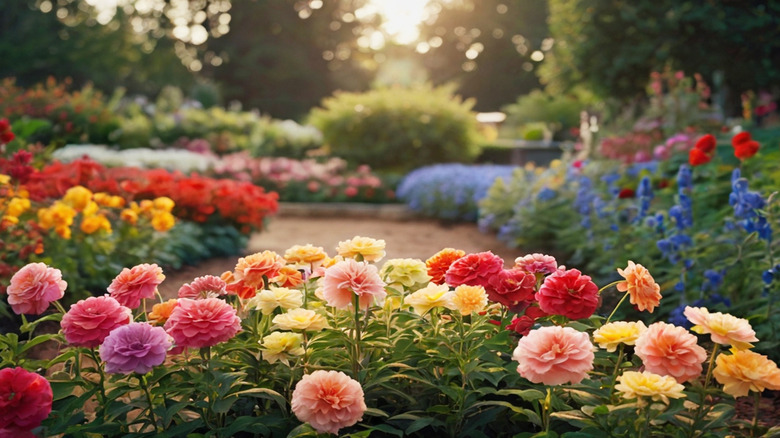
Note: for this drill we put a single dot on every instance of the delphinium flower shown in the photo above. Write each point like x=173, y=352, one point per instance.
x=682, y=215
x=747, y=205
x=583, y=202
x=644, y=195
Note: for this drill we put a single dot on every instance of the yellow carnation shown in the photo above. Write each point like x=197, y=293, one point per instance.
x=281, y=345
x=609, y=336
x=162, y=220
x=469, y=299
x=744, y=371
x=300, y=319
x=407, y=272
x=308, y=254
x=129, y=215
x=268, y=300
x=77, y=197
x=17, y=206
x=433, y=295
x=164, y=203
x=634, y=384
x=92, y=224
x=368, y=249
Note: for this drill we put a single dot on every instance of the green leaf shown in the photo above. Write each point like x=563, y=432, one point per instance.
x=525, y=394
x=418, y=424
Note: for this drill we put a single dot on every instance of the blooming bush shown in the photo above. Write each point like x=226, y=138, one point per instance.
x=353, y=349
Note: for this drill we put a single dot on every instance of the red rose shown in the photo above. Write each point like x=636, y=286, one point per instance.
x=740, y=138
x=25, y=400
x=626, y=193
x=568, y=293
x=511, y=286
x=706, y=143
x=746, y=150
x=697, y=157
x=474, y=269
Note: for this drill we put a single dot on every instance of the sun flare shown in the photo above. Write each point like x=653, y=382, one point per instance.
x=401, y=19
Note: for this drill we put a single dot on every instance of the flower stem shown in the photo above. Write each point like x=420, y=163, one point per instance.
x=99, y=366
x=625, y=295
x=710, y=367
x=546, y=408
x=609, y=285
x=145, y=387
x=617, y=369
x=756, y=406
x=59, y=307
x=356, y=340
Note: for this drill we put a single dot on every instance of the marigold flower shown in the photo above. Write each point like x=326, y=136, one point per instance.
x=634, y=384
x=469, y=299
x=34, y=287
x=164, y=203
x=670, y=350
x=251, y=269
x=300, y=319
x=207, y=286
x=554, y=355
x=568, y=293
x=433, y=295
x=202, y=323
x=78, y=197
x=407, y=272
x=722, y=327
x=133, y=285
x=281, y=345
x=440, y=262
x=744, y=371
x=308, y=254
x=129, y=215
x=89, y=321
x=92, y=224
x=162, y=221
x=537, y=263
x=370, y=250
x=643, y=291
x=474, y=269
x=349, y=278
x=328, y=401
x=276, y=297
x=25, y=401
x=609, y=336
x=17, y=206
x=162, y=311
x=136, y=347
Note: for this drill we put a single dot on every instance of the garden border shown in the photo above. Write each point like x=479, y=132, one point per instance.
x=398, y=212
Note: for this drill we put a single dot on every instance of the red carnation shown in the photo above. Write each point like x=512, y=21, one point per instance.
x=740, y=138
x=746, y=150
x=474, y=269
x=568, y=293
x=706, y=143
x=511, y=286
x=25, y=401
x=697, y=157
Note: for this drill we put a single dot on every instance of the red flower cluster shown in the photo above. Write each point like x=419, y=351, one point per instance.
x=6, y=136
x=18, y=167
x=744, y=146
x=703, y=151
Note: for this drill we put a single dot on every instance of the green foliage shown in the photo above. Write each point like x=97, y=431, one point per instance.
x=398, y=128
x=557, y=113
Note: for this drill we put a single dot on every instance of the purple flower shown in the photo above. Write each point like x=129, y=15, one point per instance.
x=136, y=347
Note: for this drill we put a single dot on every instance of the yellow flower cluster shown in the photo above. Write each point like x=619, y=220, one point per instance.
x=157, y=210
x=13, y=203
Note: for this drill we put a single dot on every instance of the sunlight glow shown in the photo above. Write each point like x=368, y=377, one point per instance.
x=401, y=19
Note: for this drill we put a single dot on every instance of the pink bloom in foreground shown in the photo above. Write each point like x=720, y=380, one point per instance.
x=568, y=293
x=722, y=327
x=34, y=287
x=137, y=347
x=133, y=285
x=474, y=269
x=510, y=286
x=537, y=263
x=25, y=401
x=202, y=323
x=328, y=401
x=207, y=286
x=89, y=321
x=348, y=278
x=554, y=355
x=669, y=350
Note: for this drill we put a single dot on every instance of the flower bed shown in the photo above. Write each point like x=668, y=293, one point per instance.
x=303, y=343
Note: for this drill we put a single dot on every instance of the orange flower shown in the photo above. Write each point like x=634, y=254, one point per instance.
x=722, y=327
x=129, y=215
x=251, y=269
x=439, y=263
x=744, y=371
x=162, y=311
x=644, y=292
x=288, y=277
x=469, y=299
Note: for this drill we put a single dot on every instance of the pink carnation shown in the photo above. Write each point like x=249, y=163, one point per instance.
x=89, y=321
x=207, y=286
x=474, y=269
x=133, y=285
x=511, y=286
x=136, y=347
x=568, y=293
x=669, y=350
x=348, y=278
x=34, y=287
x=554, y=355
x=25, y=401
x=202, y=323
x=328, y=401
x=537, y=263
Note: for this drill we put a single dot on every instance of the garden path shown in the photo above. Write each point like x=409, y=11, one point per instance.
x=405, y=238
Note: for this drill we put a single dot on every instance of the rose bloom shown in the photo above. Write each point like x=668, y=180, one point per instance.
x=328, y=401
x=407, y=272
x=744, y=371
x=137, y=347
x=433, y=295
x=746, y=150
x=25, y=401
x=34, y=287
x=133, y=285
x=634, y=384
x=202, y=323
x=288, y=276
x=670, y=350
x=268, y=300
x=511, y=286
x=609, y=336
x=643, y=291
x=441, y=261
x=474, y=269
x=300, y=319
x=251, y=269
x=207, y=286
x=89, y=321
x=706, y=143
x=568, y=293
x=722, y=327
x=281, y=345
x=537, y=263
x=348, y=278
x=469, y=299
x=554, y=355
x=370, y=250
x=697, y=157
x=162, y=311
x=308, y=254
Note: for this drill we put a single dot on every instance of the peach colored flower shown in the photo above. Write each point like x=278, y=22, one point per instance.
x=441, y=261
x=202, y=323
x=537, y=263
x=744, y=371
x=407, y=272
x=133, y=285
x=474, y=269
x=308, y=254
x=469, y=299
x=609, y=336
x=89, y=321
x=162, y=311
x=279, y=346
x=251, y=269
x=300, y=319
x=370, y=250
x=722, y=327
x=568, y=293
x=276, y=297
x=634, y=384
x=433, y=295
x=643, y=291
x=670, y=351
x=288, y=276
x=34, y=287
x=348, y=278
x=328, y=401
x=207, y=286
x=554, y=355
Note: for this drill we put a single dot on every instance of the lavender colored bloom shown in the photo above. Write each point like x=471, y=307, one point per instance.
x=136, y=347
x=768, y=276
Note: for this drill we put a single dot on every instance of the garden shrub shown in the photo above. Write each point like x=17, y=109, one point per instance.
x=398, y=128
x=557, y=114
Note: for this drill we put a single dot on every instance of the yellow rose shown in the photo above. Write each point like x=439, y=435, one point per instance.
x=300, y=319
x=268, y=300
x=407, y=272
x=744, y=371
x=281, y=345
x=433, y=295
x=609, y=336
x=308, y=254
x=365, y=248
x=634, y=384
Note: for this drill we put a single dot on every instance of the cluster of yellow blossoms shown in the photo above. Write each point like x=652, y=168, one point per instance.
x=13, y=203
